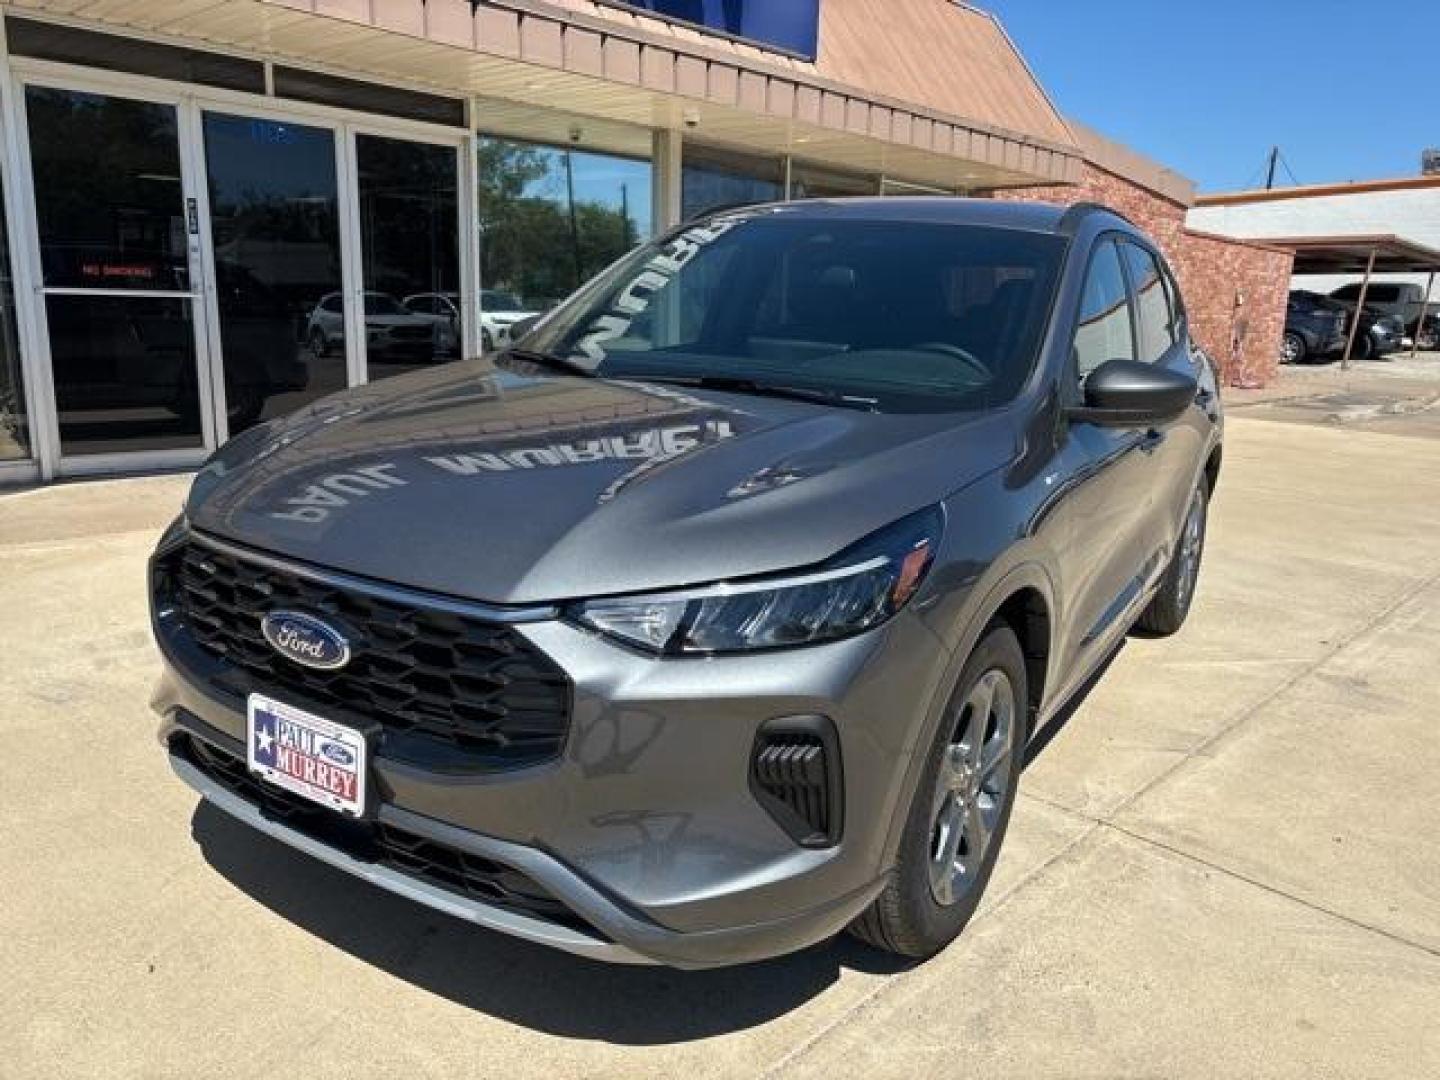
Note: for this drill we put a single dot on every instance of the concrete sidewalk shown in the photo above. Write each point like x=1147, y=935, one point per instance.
x=1226, y=863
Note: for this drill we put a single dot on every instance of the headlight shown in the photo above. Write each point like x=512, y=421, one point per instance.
x=857, y=590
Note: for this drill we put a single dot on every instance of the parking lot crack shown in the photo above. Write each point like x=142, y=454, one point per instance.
x=1245, y=715
x=1311, y=905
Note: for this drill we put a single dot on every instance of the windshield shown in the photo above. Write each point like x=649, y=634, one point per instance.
x=383, y=304
x=908, y=316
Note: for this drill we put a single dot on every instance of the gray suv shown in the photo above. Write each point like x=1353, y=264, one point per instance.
x=715, y=616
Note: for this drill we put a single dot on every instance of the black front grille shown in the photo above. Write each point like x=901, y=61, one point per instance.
x=449, y=868
x=795, y=775
x=447, y=689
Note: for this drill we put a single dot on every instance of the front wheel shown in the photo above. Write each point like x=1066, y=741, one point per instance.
x=960, y=810
x=1292, y=348
x=1167, y=610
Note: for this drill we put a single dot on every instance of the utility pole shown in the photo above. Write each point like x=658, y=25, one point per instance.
x=1270, y=172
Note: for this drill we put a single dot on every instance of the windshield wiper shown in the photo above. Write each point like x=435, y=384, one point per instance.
x=740, y=385
x=550, y=361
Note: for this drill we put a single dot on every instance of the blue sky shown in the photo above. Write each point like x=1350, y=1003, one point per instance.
x=1206, y=88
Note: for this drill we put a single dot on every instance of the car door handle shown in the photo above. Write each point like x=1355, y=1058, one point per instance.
x=1151, y=440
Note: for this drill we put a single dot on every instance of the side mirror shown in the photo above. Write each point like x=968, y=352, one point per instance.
x=1126, y=393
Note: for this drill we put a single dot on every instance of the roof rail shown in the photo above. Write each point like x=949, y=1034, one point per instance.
x=1070, y=220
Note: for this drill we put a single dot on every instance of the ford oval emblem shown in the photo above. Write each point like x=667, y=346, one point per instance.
x=306, y=639
x=337, y=753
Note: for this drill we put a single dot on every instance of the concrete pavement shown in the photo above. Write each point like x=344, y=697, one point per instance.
x=1225, y=862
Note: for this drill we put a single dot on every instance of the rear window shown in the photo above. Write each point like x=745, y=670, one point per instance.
x=911, y=316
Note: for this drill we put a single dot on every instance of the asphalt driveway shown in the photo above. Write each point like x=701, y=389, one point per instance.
x=1225, y=863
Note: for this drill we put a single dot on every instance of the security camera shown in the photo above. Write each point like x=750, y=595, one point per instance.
x=691, y=118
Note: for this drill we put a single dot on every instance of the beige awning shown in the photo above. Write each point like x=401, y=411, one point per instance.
x=1351, y=254
x=925, y=90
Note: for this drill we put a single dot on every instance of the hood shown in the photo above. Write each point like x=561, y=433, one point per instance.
x=508, y=488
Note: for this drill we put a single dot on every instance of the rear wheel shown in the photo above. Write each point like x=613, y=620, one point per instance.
x=1292, y=348
x=1167, y=610
x=960, y=810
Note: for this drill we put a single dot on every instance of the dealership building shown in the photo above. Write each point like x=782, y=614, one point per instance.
x=216, y=211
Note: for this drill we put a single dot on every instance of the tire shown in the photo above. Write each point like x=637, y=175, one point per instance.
x=928, y=899
x=318, y=347
x=1364, y=347
x=1166, y=611
x=487, y=340
x=1292, y=348
x=1427, y=340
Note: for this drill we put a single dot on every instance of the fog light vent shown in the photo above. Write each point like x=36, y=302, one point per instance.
x=795, y=774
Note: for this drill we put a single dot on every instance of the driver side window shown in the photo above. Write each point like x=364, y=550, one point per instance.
x=1105, y=331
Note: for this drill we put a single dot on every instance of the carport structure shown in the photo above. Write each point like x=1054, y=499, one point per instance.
x=1362, y=253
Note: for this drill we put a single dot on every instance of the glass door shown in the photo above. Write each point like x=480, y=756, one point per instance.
x=273, y=194
x=408, y=218
x=116, y=224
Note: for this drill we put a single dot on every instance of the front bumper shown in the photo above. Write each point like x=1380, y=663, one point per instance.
x=645, y=827
x=612, y=934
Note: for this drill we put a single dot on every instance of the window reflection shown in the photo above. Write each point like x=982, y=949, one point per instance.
x=550, y=218
x=124, y=373
x=108, y=200
x=713, y=178
x=808, y=182
x=409, y=243
x=275, y=227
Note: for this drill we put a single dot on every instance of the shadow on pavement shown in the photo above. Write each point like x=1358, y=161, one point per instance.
x=1042, y=738
x=529, y=984
x=513, y=980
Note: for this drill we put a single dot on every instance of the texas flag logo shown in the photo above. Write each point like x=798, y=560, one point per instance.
x=307, y=755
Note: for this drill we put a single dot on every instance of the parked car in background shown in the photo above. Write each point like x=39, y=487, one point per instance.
x=1314, y=328
x=1427, y=334
x=499, y=311
x=443, y=310
x=392, y=333
x=1403, y=300
x=719, y=618
x=1379, y=334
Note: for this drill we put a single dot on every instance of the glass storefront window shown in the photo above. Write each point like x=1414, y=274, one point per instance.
x=410, y=253
x=124, y=372
x=110, y=212
x=107, y=191
x=14, y=425
x=809, y=182
x=900, y=187
x=550, y=218
x=713, y=178
x=275, y=227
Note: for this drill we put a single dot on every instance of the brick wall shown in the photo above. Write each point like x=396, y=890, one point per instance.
x=1211, y=269
x=1236, y=292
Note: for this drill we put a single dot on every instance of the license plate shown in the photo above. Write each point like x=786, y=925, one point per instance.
x=306, y=754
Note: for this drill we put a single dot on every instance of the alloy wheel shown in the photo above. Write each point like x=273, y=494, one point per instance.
x=1191, y=541
x=972, y=788
x=1291, y=349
